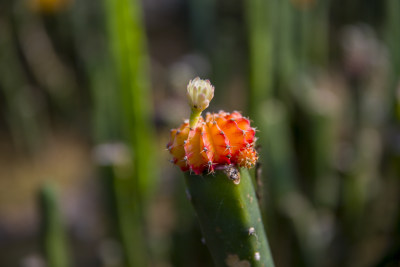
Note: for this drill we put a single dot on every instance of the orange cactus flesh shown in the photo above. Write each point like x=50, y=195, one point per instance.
x=221, y=139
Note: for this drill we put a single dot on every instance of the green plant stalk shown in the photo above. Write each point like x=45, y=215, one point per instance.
x=362, y=177
x=322, y=27
x=128, y=44
x=52, y=228
x=313, y=21
x=326, y=185
x=305, y=19
x=321, y=112
x=260, y=27
x=286, y=41
x=317, y=133
x=106, y=111
x=123, y=219
x=129, y=221
x=230, y=219
x=194, y=118
x=202, y=15
x=120, y=190
x=277, y=149
x=186, y=248
x=281, y=183
x=393, y=40
x=122, y=213
x=128, y=41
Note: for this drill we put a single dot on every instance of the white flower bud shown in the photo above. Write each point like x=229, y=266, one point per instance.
x=199, y=93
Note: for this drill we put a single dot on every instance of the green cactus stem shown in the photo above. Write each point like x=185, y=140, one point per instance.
x=194, y=117
x=128, y=46
x=260, y=21
x=277, y=152
x=392, y=36
x=230, y=219
x=52, y=228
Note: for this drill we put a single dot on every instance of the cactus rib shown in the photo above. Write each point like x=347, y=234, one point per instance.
x=230, y=219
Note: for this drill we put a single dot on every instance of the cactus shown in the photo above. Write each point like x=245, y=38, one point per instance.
x=230, y=219
x=277, y=152
x=225, y=202
x=221, y=139
x=53, y=233
x=128, y=46
x=260, y=17
x=392, y=35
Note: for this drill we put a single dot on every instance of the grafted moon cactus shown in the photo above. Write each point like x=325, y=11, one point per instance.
x=225, y=202
x=221, y=139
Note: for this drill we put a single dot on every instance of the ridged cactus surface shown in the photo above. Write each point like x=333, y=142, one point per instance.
x=230, y=219
x=221, y=139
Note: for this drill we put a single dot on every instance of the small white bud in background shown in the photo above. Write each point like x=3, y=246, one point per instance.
x=257, y=256
x=199, y=93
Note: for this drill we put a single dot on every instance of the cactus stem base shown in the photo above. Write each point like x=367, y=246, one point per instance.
x=230, y=219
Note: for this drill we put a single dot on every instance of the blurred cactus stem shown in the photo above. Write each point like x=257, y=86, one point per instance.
x=230, y=218
x=277, y=153
x=392, y=36
x=398, y=102
x=128, y=46
x=260, y=17
x=52, y=228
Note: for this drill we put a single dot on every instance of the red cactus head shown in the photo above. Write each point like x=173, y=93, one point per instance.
x=221, y=139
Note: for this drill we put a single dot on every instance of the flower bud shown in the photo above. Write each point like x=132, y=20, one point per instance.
x=199, y=93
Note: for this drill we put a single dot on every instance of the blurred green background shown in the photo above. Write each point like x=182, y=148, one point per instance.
x=90, y=89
